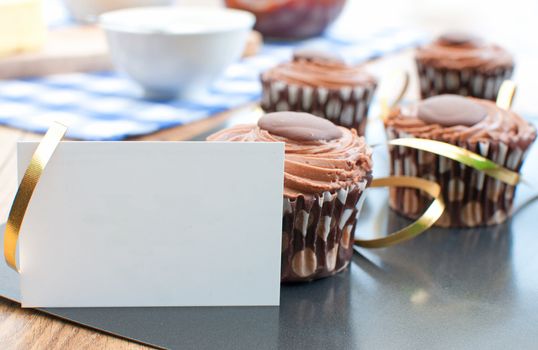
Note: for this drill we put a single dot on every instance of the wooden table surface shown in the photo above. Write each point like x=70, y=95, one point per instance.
x=29, y=329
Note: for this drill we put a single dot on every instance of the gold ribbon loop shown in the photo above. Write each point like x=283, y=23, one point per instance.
x=506, y=94
x=385, y=105
x=39, y=161
x=430, y=216
x=54, y=135
x=461, y=155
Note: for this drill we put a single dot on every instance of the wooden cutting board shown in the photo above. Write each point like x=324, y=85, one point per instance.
x=75, y=49
x=72, y=49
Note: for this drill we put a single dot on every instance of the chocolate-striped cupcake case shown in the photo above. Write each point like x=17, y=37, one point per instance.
x=347, y=106
x=472, y=198
x=321, y=84
x=318, y=233
x=462, y=64
x=327, y=169
x=469, y=82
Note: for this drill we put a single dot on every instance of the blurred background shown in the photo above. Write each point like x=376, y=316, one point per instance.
x=508, y=23
x=104, y=104
x=512, y=24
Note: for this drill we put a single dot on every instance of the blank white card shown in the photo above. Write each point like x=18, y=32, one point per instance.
x=153, y=224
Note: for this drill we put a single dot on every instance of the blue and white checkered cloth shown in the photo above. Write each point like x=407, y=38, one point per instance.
x=108, y=106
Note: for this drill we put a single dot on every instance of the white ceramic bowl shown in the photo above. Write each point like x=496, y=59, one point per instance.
x=175, y=51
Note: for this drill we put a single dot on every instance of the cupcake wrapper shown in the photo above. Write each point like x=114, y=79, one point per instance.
x=318, y=233
x=471, y=197
x=469, y=82
x=346, y=107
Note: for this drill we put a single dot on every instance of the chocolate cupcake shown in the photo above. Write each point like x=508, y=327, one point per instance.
x=327, y=169
x=462, y=64
x=472, y=198
x=321, y=84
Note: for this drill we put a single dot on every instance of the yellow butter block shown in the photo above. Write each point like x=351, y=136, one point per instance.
x=22, y=26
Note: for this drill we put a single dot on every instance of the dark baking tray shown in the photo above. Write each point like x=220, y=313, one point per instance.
x=445, y=289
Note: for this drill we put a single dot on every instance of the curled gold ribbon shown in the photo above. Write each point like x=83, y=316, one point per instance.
x=385, y=105
x=52, y=138
x=424, y=222
x=39, y=161
x=431, y=215
x=506, y=94
x=461, y=155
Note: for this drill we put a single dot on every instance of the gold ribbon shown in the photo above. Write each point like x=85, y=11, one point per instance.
x=39, y=161
x=384, y=103
x=506, y=94
x=434, y=211
x=424, y=222
x=431, y=215
x=52, y=138
x=461, y=155
x=54, y=135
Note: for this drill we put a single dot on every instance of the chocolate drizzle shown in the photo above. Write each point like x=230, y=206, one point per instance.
x=450, y=110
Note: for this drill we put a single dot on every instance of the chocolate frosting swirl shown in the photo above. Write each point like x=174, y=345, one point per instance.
x=461, y=51
x=319, y=69
x=317, y=56
x=459, y=39
x=496, y=125
x=311, y=166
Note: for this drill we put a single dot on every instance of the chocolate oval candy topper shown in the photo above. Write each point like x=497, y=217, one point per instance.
x=299, y=126
x=450, y=110
x=319, y=56
x=459, y=39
